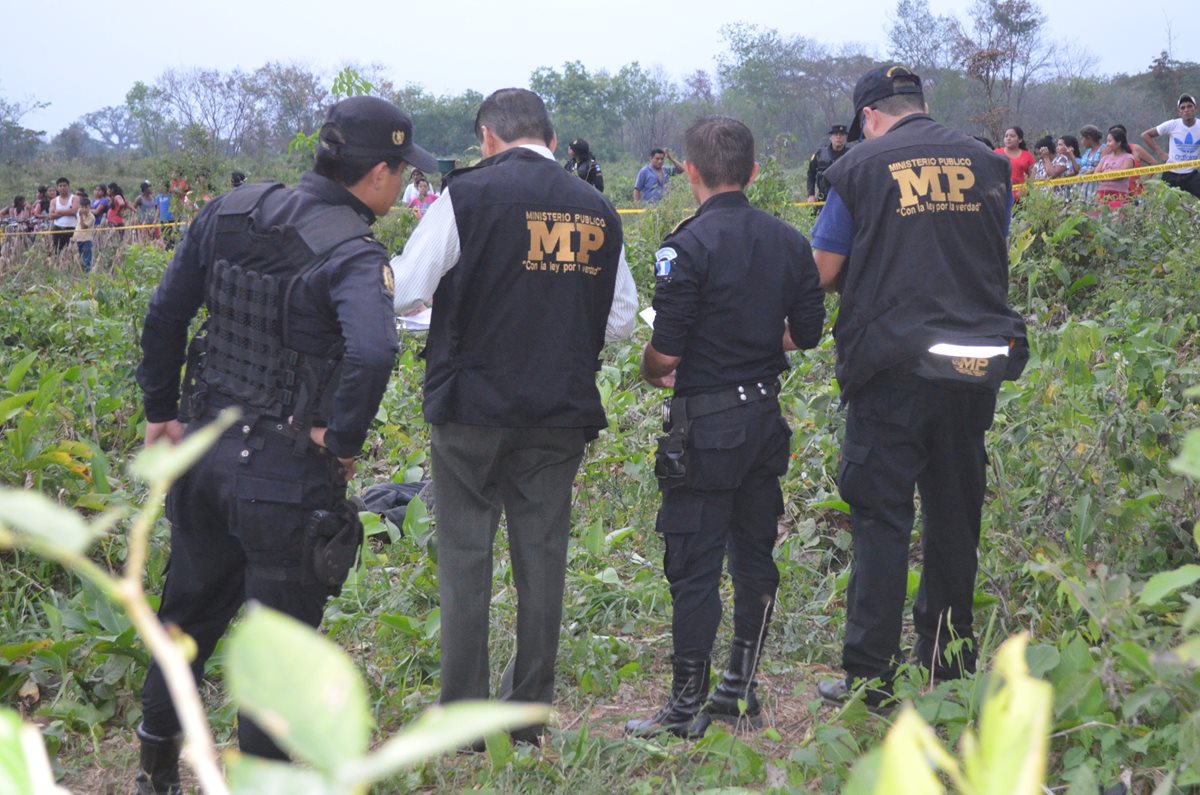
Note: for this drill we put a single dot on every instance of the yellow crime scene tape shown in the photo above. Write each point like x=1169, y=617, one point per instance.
x=71, y=230
x=1106, y=176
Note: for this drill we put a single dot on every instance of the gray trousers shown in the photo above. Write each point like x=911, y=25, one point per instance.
x=527, y=472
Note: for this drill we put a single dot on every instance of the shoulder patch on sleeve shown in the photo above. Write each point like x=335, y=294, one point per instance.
x=664, y=260
x=389, y=279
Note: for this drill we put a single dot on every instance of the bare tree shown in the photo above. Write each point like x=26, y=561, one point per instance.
x=1005, y=53
x=114, y=126
x=921, y=40
x=224, y=105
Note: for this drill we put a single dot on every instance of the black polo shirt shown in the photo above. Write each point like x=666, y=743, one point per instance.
x=726, y=280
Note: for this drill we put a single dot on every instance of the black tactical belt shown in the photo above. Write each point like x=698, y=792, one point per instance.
x=716, y=402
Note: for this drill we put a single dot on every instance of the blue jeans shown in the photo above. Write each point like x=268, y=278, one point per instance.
x=85, y=254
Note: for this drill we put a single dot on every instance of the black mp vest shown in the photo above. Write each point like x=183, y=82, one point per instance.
x=244, y=354
x=519, y=322
x=930, y=257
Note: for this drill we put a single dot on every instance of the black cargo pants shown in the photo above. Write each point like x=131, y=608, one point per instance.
x=237, y=534
x=904, y=432
x=729, y=503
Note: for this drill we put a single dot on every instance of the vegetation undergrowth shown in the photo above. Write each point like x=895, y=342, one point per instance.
x=1083, y=509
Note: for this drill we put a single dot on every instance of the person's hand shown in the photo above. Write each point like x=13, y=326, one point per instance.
x=663, y=382
x=317, y=436
x=171, y=430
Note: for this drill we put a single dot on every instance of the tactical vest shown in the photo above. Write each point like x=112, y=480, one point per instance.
x=930, y=256
x=242, y=356
x=519, y=322
x=826, y=157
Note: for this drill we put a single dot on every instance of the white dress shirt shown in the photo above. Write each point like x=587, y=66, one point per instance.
x=434, y=248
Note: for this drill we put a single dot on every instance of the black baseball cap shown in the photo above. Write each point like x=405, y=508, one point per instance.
x=837, y=129
x=880, y=84
x=1185, y=98
x=374, y=127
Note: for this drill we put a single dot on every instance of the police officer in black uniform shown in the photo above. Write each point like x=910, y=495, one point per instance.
x=915, y=237
x=581, y=163
x=300, y=337
x=829, y=153
x=735, y=288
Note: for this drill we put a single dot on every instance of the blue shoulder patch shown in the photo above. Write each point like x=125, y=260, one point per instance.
x=664, y=258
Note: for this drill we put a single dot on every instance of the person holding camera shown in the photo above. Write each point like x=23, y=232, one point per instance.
x=726, y=310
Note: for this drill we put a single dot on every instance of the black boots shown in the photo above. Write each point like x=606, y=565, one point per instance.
x=684, y=714
x=159, y=770
x=738, y=685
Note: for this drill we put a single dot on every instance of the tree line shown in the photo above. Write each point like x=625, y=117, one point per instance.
x=992, y=68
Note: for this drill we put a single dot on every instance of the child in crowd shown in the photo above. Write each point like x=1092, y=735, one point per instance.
x=84, y=230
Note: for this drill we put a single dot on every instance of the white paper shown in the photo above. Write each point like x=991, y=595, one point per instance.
x=417, y=322
x=647, y=315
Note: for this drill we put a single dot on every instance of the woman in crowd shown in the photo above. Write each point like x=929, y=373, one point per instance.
x=424, y=197
x=1018, y=154
x=1090, y=139
x=1141, y=157
x=118, y=206
x=100, y=204
x=1115, y=156
x=1049, y=163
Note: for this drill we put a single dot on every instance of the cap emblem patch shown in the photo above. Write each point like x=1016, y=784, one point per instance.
x=398, y=137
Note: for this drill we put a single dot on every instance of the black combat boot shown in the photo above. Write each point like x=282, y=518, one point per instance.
x=684, y=714
x=159, y=772
x=738, y=685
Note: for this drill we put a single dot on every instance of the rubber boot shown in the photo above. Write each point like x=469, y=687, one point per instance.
x=684, y=714
x=159, y=771
x=738, y=685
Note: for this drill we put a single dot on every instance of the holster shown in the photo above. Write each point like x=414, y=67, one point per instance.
x=333, y=540
x=670, y=458
x=193, y=401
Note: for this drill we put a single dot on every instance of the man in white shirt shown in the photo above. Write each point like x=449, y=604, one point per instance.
x=1183, y=136
x=525, y=268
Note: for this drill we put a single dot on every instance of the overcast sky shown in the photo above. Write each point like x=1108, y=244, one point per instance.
x=82, y=58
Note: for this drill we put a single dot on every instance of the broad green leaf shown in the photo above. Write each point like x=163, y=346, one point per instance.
x=17, y=374
x=36, y=515
x=442, y=729
x=1163, y=584
x=1041, y=659
x=865, y=775
x=11, y=406
x=1009, y=756
x=24, y=767
x=163, y=462
x=1190, y=651
x=1188, y=460
x=301, y=689
x=593, y=538
x=912, y=756
x=251, y=775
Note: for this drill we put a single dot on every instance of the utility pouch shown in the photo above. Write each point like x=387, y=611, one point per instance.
x=670, y=458
x=334, y=540
x=192, y=398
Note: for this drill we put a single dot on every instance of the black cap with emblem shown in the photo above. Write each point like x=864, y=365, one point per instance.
x=373, y=127
x=837, y=129
x=881, y=83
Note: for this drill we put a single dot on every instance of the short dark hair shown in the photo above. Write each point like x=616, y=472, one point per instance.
x=657, y=151
x=514, y=113
x=62, y=181
x=722, y=149
x=346, y=170
x=901, y=104
x=1046, y=141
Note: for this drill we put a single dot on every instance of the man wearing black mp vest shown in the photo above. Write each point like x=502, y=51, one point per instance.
x=527, y=273
x=914, y=235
